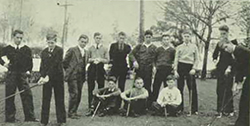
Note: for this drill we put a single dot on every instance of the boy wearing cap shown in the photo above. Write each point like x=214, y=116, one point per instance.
x=51, y=66
x=74, y=64
x=143, y=58
x=185, y=63
x=169, y=98
x=136, y=97
x=107, y=97
x=98, y=56
x=19, y=68
x=225, y=74
x=164, y=65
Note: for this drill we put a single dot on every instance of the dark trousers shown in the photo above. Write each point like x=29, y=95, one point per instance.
x=16, y=80
x=243, y=119
x=136, y=106
x=224, y=92
x=108, y=105
x=96, y=73
x=120, y=73
x=145, y=72
x=75, y=94
x=58, y=87
x=171, y=109
x=183, y=71
x=160, y=77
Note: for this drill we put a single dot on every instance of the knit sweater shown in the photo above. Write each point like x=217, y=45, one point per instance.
x=164, y=57
x=20, y=60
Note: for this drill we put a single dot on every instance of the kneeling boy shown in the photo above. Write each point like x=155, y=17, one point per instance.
x=168, y=99
x=135, y=99
x=106, y=98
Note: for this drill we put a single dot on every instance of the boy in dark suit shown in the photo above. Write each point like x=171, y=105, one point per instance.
x=118, y=53
x=51, y=66
x=242, y=56
x=19, y=67
x=107, y=97
x=143, y=57
x=225, y=74
x=74, y=64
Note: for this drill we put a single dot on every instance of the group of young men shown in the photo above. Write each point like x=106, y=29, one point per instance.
x=170, y=63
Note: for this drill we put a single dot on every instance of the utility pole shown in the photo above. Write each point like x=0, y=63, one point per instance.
x=65, y=24
x=141, y=23
x=20, y=16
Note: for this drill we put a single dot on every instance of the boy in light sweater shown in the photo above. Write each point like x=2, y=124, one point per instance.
x=169, y=98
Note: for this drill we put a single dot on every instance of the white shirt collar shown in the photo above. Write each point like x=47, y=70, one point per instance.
x=81, y=50
x=164, y=47
x=147, y=45
x=15, y=46
x=186, y=43
x=111, y=89
x=52, y=49
x=99, y=46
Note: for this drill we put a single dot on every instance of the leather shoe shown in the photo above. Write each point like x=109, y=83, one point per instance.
x=90, y=113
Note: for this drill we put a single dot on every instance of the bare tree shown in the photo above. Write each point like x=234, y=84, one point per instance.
x=200, y=16
x=12, y=18
x=244, y=18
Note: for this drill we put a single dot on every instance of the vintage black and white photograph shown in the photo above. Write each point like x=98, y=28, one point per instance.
x=124, y=62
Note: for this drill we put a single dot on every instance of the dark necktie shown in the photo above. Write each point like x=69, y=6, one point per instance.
x=97, y=46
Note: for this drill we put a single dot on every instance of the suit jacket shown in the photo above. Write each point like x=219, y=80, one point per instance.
x=74, y=64
x=225, y=59
x=51, y=63
x=242, y=56
x=118, y=56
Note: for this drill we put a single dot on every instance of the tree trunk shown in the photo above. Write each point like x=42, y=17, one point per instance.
x=207, y=43
x=204, y=66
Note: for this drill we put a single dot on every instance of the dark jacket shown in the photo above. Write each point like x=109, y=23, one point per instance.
x=74, y=64
x=20, y=60
x=242, y=56
x=51, y=63
x=118, y=57
x=226, y=59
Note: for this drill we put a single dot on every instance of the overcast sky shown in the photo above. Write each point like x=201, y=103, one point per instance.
x=89, y=16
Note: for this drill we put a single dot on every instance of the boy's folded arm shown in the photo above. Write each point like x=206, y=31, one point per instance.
x=116, y=93
x=142, y=96
x=98, y=91
x=124, y=94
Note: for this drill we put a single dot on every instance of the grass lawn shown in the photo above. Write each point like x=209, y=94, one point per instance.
x=207, y=109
